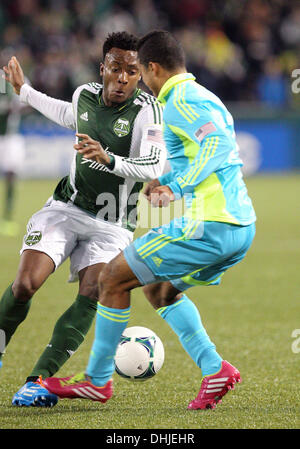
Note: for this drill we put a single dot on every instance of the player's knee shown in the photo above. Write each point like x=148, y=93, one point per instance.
x=24, y=288
x=108, y=280
x=152, y=293
x=160, y=296
x=90, y=290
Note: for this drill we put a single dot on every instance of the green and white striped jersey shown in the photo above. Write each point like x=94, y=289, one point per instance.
x=131, y=131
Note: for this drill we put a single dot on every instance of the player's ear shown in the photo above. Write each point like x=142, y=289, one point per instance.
x=101, y=68
x=150, y=66
x=154, y=67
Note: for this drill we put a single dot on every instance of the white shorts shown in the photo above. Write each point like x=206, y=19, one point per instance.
x=62, y=230
x=12, y=153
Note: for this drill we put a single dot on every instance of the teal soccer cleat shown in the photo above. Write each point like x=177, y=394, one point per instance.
x=34, y=394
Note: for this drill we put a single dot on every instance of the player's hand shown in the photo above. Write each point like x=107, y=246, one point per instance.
x=91, y=149
x=14, y=74
x=161, y=196
x=149, y=188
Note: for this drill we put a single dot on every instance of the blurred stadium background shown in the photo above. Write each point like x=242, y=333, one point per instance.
x=244, y=51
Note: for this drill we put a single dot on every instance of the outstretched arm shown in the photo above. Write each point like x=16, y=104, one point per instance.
x=60, y=112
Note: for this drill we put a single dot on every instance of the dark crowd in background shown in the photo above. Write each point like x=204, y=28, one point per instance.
x=243, y=50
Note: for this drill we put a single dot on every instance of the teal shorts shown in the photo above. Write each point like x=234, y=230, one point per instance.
x=172, y=253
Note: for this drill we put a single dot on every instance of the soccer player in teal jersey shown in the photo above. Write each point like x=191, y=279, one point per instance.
x=119, y=145
x=214, y=233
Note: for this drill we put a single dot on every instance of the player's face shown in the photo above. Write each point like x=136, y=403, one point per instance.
x=120, y=75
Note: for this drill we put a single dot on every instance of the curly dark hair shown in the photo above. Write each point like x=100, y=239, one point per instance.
x=122, y=40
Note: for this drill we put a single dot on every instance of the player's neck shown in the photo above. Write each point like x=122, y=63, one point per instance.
x=165, y=75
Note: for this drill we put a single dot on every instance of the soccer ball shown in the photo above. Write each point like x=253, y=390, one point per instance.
x=140, y=354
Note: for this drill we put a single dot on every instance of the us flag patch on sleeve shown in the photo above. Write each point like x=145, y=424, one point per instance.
x=155, y=135
x=208, y=128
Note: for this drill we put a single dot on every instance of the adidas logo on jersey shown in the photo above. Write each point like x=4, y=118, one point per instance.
x=85, y=116
x=157, y=261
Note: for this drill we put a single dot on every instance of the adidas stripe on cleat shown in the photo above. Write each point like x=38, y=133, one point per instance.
x=79, y=387
x=215, y=386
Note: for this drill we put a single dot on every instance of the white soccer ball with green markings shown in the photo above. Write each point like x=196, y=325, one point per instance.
x=140, y=354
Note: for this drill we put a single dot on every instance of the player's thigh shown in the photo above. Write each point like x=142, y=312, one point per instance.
x=162, y=256
x=237, y=241
x=171, y=254
x=34, y=268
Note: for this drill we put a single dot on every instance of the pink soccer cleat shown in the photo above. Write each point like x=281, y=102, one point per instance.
x=215, y=386
x=78, y=387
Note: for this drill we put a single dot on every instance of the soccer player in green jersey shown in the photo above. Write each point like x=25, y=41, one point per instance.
x=213, y=235
x=91, y=215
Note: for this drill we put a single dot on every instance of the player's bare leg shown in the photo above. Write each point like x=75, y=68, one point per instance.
x=115, y=282
x=88, y=280
x=34, y=268
x=162, y=294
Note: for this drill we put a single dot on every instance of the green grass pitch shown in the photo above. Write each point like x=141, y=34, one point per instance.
x=250, y=317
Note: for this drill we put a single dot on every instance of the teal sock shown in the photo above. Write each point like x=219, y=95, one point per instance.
x=110, y=324
x=184, y=318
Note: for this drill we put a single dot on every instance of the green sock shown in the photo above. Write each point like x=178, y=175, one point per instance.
x=69, y=332
x=12, y=312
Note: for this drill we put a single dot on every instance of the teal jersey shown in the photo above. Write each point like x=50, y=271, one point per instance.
x=203, y=153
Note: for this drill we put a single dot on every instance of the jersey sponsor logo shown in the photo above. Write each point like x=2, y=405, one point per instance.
x=85, y=116
x=208, y=128
x=33, y=238
x=121, y=127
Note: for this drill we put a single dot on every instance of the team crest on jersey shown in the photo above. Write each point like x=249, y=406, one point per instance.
x=121, y=127
x=33, y=238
